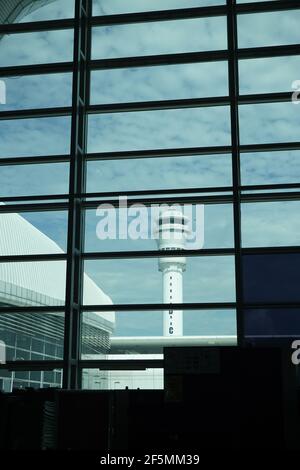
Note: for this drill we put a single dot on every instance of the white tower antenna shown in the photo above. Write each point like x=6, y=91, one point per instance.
x=172, y=232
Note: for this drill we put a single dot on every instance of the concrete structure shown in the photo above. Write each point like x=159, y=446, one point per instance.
x=172, y=232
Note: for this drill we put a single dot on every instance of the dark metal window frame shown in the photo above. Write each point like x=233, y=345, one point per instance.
x=77, y=200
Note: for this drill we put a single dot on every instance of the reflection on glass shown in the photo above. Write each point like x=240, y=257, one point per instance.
x=272, y=323
x=36, y=48
x=210, y=226
x=270, y=168
x=32, y=336
x=33, y=379
x=269, y=29
x=159, y=83
x=176, y=128
x=34, y=180
x=94, y=379
x=25, y=11
x=165, y=37
x=109, y=7
x=23, y=231
x=207, y=279
x=37, y=91
x=272, y=278
x=271, y=224
x=269, y=123
x=34, y=137
x=270, y=75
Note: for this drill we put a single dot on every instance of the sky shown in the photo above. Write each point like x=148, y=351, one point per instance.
x=207, y=279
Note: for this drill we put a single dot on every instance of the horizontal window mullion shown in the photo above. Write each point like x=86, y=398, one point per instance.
x=219, y=199
x=122, y=364
x=32, y=258
x=161, y=306
x=34, y=198
x=270, y=250
x=264, y=197
x=268, y=51
x=159, y=153
x=157, y=105
x=36, y=113
x=34, y=160
x=267, y=6
x=158, y=191
x=50, y=206
x=260, y=98
x=275, y=147
x=158, y=254
x=31, y=365
x=259, y=187
x=36, y=69
x=161, y=59
x=162, y=15
x=37, y=26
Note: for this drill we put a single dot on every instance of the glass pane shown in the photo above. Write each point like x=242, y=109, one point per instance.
x=33, y=233
x=272, y=323
x=200, y=323
x=39, y=379
x=270, y=167
x=32, y=336
x=199, y=171
x=94, y=379
x=271, y=278
x=33, y=283
x=135, y=228
x=271, y=29
x=268, y=123
x=34, y=180
x=272, y=75
x=108, y=7
x=36, y=48
x=20, y=11
x=159, y=83
x=271, y=224
x=37, y=91
x=196, y=127
x=207, y=279
x=164, y=37
x=35, y=137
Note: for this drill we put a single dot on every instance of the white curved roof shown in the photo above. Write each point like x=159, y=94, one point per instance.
x=37, y=283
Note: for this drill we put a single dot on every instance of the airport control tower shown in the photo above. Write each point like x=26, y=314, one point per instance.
x=172, y=233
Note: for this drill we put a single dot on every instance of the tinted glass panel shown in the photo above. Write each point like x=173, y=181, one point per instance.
x=159, y=83
x=271, y=278
x=31, y=180
x=37, y=91
x=207, y=279
x=135, y=228
x=36, y=48
x=270, y=167
x=159, y=129
x=109, y=7
x=34, y=137
x=268, y=123
x=271, y=29
x=165, y=173
x=268, y=75
x=165, y=37
x=271, y=224
x=272, y=322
